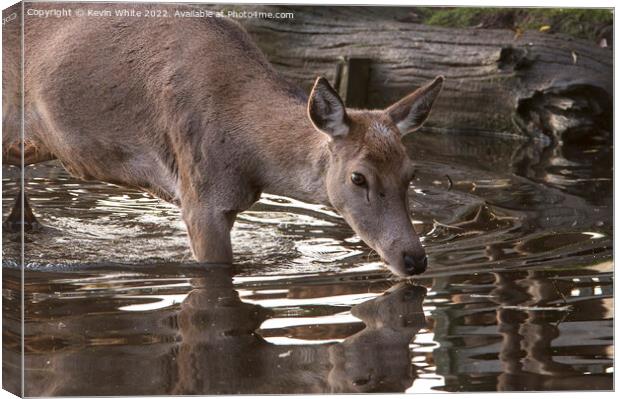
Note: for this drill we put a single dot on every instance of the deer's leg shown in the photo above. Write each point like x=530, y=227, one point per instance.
x=209, y=234
x=14, y=221
x=33, y=152
x=210, y=206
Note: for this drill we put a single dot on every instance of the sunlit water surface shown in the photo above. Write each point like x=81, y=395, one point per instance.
x=518, y=295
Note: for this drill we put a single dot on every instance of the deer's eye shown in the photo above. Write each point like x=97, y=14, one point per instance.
x=358, y=179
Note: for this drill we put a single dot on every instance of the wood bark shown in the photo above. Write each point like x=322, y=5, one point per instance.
x=496, y=81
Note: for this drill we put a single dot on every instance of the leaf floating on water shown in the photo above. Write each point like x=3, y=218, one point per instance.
x=545, y=28
x=566, y=308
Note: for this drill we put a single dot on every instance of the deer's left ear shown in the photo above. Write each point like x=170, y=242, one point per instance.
x=410, y=113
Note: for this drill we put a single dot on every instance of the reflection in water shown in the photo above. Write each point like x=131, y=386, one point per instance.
x=215, y=324
x=377, y=359
x=520, y=285
x=197, y=346
x=533, y=330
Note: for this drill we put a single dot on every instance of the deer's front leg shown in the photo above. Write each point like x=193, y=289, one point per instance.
x=209, y=233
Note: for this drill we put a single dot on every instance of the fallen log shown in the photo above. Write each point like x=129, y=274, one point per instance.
x=496, y=81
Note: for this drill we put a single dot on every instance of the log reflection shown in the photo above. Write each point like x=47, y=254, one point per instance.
x=526, y=331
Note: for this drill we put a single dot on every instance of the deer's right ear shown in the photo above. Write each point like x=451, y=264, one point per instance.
x=410, y=113
x=327, y=111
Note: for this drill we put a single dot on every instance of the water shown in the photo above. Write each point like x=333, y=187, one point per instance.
x=518, y=295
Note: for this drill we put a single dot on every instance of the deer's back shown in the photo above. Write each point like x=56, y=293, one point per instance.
x=104, y=90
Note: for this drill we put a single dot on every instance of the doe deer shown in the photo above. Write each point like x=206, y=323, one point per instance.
x=190, y=110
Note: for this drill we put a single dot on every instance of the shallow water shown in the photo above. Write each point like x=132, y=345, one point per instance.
x=518, y=295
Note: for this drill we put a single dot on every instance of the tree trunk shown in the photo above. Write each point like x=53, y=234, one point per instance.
x=496, y=80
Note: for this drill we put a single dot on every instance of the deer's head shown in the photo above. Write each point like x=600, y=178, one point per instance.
x=369, y=172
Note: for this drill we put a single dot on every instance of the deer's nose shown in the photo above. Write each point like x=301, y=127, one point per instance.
x=415, y=265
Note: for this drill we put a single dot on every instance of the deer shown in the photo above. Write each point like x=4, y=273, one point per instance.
x=191, y=111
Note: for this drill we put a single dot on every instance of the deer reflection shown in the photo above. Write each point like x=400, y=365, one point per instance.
x=377, y=359
x=210, y=345
x=220, y=352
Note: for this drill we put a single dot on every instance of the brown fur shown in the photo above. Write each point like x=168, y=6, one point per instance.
x=190, y=110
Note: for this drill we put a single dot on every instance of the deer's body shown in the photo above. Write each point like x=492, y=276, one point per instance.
x=186, y=109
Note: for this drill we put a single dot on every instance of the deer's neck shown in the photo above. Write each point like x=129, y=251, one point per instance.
x=294, y=156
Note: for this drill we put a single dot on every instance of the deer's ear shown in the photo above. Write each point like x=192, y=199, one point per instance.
x=326, y=110
x=410, y=112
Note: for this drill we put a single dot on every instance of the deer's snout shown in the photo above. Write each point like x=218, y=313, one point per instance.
x=415, y=264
